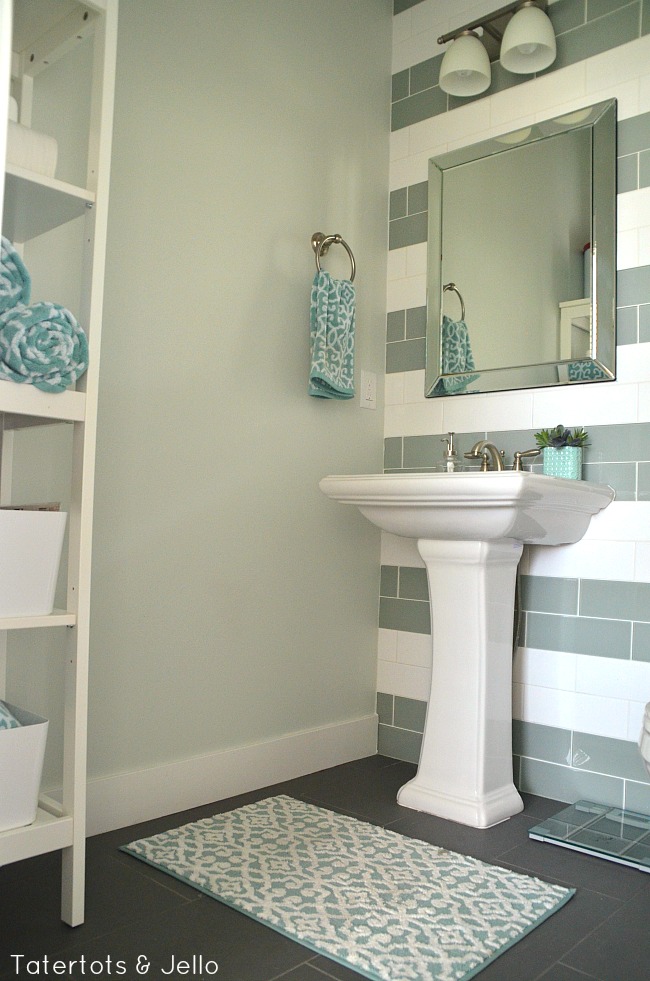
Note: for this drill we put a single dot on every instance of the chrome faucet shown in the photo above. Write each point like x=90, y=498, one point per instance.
x=488, y=453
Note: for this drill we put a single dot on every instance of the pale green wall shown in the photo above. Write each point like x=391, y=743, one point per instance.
x=232, y=601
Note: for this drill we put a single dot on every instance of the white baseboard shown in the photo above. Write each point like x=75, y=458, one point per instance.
x=122, y=799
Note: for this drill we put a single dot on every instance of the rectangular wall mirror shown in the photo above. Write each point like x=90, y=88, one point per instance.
x=522, y=258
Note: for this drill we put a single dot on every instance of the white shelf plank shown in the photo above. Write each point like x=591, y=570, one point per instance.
x=46, y=834
x=58, y=618
x=35, y=204
x=25, y=400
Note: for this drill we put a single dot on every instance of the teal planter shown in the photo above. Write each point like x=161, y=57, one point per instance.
x=563, y=461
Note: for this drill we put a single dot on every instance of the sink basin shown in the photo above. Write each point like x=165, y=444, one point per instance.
x=471, y=529
x=529, y=507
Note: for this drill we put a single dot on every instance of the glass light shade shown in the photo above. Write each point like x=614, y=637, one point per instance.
x=465, y=68
x=528, y=43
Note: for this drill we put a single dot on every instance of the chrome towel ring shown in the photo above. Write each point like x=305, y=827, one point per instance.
x=320, y=244
x=454, y=289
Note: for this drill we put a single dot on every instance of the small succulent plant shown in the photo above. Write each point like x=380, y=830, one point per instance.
x=560, y=436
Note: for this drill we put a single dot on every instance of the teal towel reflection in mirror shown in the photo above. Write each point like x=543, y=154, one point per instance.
x=456, y=358
x=585, y=371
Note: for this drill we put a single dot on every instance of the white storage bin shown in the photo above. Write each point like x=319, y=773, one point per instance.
x=21, y=765
x=30, y=553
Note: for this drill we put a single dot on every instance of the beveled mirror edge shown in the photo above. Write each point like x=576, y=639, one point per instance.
x=601, y=120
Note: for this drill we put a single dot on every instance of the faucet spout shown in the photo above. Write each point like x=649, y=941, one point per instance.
x=488, y=452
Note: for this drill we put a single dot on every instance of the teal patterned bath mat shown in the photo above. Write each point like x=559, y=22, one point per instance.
x=389, y=907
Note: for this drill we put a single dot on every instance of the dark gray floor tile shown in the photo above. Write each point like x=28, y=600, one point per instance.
x=620, y=948
x=560, y=972
x=487, y=844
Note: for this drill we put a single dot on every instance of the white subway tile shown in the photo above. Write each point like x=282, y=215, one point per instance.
x=545, y=669
x=399, y=173
x=644, y=402
x=396, y=267
x=600, y=716
x=622, y=521
x=633, y=209
x=414, y=386
x=414, y=419
x=636, y=712
x=402, y=26
x=546, y=706
x=394, y=388
x=585, y=559
x=400, y=551
x=644, y=245
x=642, y=563
x=402, y=294
x=511, y=410
x=415, y=649
x=399, y=145
x=406, y=680
x=585, y=405
x=627, y=249
x=612, y=677
x=387, y=644
x=633, y=363
x=416, y=260
x=622, y=63
x=541, y=96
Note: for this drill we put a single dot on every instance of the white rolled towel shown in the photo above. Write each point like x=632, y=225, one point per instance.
x=31, y=150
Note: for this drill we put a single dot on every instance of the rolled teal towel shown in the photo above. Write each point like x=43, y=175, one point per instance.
x=456, y=357
x=331, y=336
x=42, y=345
x=585, y=371
x=7, y=719
x=15, y=281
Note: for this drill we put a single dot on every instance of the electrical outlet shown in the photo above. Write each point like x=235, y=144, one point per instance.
x=368, y=393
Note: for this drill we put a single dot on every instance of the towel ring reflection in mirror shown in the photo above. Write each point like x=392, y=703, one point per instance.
x=451, y=287
x=320, y=244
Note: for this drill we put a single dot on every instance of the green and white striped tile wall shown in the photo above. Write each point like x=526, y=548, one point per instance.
x=582, y=664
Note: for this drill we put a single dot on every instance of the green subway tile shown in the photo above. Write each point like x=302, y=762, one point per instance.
x=395, y=325
x=399, y=744
x=426, y=74
x=393, y=453
x=422, y=452
x=644, y=168
x=643, y=491
x=388, y=582
x=400, y=85
x=620, y=476
x=627, y=173
x=546, y=594
x=618, y=27
x=407, y=231
x=411, y=616
x=398, y=203
x=385, y=708
x=641, y=641
x=615, y=600
x=627, y=442
x=413, y=583
x=418, y=196
x=540, y=742
x=579, y=635
x=410, y=713
x=627, y=325
x=644, y=323
x=406, y=355
x=567, y=784
x=616, y=757
x=633, y=286
x=598, y=8
x=418, y=107
x=566, y=14
x=633, y=134
x=399, y=6
x=645, y=18
x=416, y=322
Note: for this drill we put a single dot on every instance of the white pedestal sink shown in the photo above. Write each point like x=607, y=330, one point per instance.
x=470, y=529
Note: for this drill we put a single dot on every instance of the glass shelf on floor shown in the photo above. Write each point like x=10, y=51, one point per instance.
x=612, y=833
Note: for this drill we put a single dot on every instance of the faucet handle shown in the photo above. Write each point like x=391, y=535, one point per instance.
x=524, y=453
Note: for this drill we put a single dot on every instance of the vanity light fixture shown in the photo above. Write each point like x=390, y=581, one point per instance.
x=521, y=35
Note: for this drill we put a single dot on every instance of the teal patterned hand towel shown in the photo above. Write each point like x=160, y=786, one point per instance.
x=331, y=336
x=15, y=281
x=42, y=345
x=456, y=358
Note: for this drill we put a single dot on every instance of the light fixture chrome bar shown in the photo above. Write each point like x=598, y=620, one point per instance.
x=488, y=19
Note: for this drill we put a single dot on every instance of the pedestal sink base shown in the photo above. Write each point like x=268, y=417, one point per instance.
x=465, y=770
x=492, y=808
x=470, y=528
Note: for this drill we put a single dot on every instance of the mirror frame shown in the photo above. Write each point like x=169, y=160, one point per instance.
x=601, y=120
